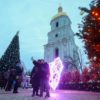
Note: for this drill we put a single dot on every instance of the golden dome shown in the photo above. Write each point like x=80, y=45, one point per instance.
x=60, y=13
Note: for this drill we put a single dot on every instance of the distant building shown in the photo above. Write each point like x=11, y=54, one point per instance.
x=61, y=41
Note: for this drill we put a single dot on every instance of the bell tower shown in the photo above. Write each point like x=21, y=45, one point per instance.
x=61, y=41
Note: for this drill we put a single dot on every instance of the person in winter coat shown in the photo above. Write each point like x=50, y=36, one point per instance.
x=1, y=80
x=9, y=83
x=35, y=78
x=18, y=78
x=44, y=78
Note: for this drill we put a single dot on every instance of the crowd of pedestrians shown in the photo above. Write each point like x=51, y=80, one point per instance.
x=11, y=79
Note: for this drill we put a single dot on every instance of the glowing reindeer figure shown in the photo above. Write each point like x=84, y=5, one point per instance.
x=55, y=71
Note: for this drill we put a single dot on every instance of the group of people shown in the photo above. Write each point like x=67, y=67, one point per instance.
x=11, y=79
x=40, y=78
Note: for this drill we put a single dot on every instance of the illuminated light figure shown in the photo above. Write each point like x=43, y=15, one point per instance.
x=55, y=72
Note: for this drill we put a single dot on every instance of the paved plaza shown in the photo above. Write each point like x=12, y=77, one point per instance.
x=25, y=94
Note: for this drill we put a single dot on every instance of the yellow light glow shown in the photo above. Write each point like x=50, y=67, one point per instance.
x=96, y=14
x=99, y=18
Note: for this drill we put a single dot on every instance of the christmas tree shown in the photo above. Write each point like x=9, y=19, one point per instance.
x=11, y=56
x=89, y=32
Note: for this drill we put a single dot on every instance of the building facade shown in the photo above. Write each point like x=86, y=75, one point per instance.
x=61, y=42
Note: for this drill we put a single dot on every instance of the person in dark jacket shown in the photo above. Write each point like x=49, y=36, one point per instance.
x=18, y=78
x=1, y=80
x=15, y=82
x=9, y=83
x=35, y=78
x=44, y=78
x=6, y=77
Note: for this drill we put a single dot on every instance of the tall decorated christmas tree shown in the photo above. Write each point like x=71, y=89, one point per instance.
x=89, y=32
x=11, y=56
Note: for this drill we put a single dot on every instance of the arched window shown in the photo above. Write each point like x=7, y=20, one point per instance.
x=57, y=24
x=56, y=35
x=56, y=52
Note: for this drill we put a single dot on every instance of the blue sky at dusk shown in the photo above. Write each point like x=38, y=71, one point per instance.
x=32, y=18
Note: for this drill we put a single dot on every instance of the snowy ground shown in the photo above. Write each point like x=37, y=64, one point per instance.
x=25, y=94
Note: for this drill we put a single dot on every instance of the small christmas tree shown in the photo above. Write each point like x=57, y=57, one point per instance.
x=11, y=56
x=90, y=33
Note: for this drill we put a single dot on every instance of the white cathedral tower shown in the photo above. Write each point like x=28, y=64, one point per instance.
x=61, y=41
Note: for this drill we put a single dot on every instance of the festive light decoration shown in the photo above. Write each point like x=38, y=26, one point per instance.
x=90, y=34
x=55, y=72
x=96, y=13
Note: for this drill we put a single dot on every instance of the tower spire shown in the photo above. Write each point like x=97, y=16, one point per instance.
x=60, y=9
